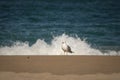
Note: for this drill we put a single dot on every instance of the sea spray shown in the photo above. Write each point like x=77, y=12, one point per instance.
x=80, y=47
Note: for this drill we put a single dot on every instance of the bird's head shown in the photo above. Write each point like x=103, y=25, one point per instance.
x=63, y=42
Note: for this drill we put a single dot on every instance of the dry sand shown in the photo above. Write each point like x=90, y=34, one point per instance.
x=59, y=68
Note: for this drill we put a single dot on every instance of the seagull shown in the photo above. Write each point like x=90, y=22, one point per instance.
x=66, y=48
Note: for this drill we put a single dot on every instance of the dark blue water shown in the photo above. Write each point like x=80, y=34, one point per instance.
x=97, y=21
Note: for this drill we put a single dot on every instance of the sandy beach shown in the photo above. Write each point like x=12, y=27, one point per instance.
x=59, y=67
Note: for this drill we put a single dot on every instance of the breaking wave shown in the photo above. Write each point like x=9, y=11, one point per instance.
x=80, y=47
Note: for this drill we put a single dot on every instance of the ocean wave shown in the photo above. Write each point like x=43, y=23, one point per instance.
x=80, y=47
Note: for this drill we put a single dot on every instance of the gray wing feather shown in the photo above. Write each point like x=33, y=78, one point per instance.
x=69, y=49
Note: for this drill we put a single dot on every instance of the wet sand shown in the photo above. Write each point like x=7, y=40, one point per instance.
x=60, y=67
x=49, y=76
x=61, y=64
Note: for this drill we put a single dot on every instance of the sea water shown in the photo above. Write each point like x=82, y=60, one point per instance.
x=37, y=27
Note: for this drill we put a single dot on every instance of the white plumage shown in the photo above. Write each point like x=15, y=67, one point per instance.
x=66, y=48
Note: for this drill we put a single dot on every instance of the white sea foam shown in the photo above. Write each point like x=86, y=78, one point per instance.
x=80, y=47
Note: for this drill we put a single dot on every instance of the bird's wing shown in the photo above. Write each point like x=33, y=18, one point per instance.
x=69, y=49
